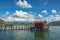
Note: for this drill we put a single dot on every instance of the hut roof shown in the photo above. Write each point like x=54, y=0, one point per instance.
x=39, y=21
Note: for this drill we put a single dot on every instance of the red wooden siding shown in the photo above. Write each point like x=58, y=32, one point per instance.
x=40, y=24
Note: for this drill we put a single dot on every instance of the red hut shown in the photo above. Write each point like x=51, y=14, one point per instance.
x=40, y=24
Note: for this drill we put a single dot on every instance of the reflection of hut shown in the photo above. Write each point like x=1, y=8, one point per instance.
x=40, y=35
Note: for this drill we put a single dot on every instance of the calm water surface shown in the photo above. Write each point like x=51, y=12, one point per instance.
x=53, y=34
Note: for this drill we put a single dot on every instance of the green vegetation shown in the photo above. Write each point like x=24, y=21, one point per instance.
x=55, y=25
x=6, y=23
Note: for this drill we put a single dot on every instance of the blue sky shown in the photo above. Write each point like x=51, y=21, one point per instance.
x=38, y=8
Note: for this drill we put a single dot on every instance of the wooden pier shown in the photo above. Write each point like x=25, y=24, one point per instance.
x=16, y=27
x=36, y=25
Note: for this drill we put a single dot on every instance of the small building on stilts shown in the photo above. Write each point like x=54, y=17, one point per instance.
x=39, y=25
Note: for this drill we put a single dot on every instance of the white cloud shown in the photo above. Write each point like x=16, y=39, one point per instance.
x=54, y=11
x=40, y=16
x=26, y=16
x=44, y=11
x=21, y=16
x=3, y=17
x=45, y=3
x=51, y=18
x=57, y=17
x=7, y=12
x=9, y=18
x=23, y=4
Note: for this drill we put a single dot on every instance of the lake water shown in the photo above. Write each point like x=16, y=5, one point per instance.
x=53, y=34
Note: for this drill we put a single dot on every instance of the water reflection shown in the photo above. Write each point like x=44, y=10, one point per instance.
x=22, y=35
x=40, y=35
x=53, y=34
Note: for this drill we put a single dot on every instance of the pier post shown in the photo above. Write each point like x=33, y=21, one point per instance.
x=16, y=27
x=1, y=26
x=48, y=27
x=5, y=27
